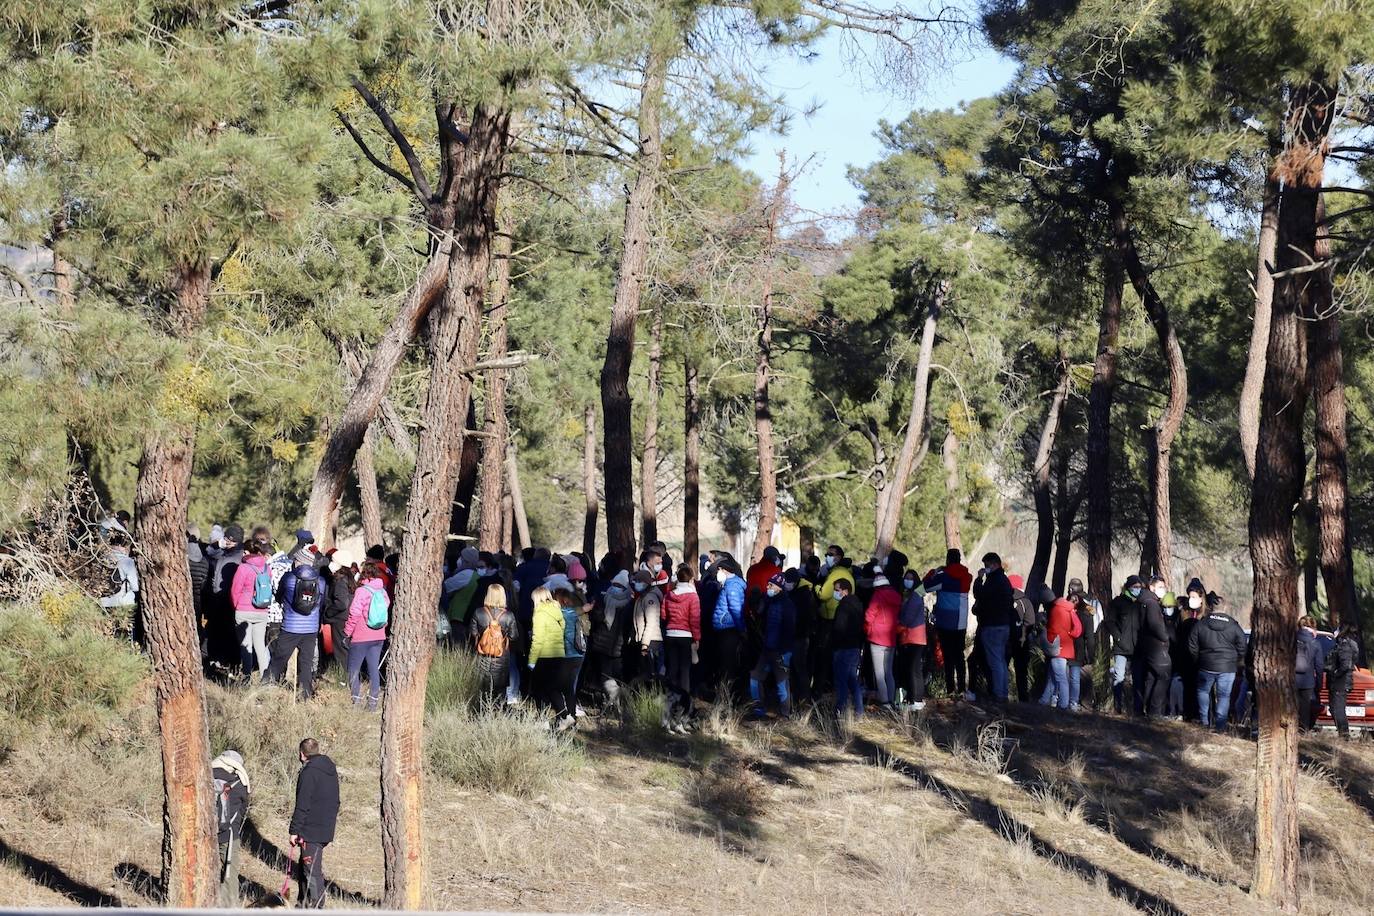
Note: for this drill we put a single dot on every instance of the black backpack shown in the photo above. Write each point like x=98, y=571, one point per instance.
x=306, y=599
x=1340, y=661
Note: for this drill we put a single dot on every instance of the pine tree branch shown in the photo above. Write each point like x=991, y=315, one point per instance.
x=417, y=172
x=372, y=157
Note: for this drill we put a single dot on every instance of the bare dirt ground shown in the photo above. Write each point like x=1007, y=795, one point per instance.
x=959, y=810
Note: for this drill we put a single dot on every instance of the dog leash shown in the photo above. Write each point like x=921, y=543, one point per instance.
x=286, y=881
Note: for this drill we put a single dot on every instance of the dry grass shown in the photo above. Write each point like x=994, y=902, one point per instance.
x=499, y=750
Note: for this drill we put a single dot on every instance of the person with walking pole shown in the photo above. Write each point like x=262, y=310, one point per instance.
x=313, y=820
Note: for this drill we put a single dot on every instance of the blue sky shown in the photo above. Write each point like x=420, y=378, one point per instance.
x=840, y=133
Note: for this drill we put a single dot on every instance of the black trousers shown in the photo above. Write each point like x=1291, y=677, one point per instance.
x=310, y=874
x=1307, y=710
x=1155, y=688
x=822, y=668
x=729, y=644
x=956, y=667
x=1020, y=662
x=282, y=650
x=801, y=670
x=911, y=674
x=555, y=683
x=677, y=658
x=1340, y=691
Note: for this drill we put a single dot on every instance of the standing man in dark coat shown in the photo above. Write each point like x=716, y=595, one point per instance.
x=1152, y=659
x=314, y=818
x=1121, y=623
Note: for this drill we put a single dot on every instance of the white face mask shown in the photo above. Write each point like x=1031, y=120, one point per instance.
x=773, y=591
x=1160, y=591
x=1168, y=611
x=655, y=567
x=721, y=576
x=828, y=562
x=1194, y=602
x=909, y=583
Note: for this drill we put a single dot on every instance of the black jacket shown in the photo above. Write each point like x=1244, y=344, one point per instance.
x=1122, y=623
x=1308, y=663
x=200, y=571
x=1085, y=646
x=339, y=600
x=1153, y=639
x=993, y=603
x=222, y=570
x=847, y=632
x=804, y=600
x=610, y=620
x=1341, y=662
x=1217, y=643
x=317, y=801
x=1184, y=663
x=236, y=807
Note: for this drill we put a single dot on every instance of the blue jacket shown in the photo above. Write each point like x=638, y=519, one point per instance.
x=951, y=586
x=529, y=576
x=729, y=613
x=779, y=623
x=570, y=625
x=292, y=622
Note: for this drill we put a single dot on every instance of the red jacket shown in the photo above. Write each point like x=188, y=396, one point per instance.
x=1065, y=624
x=757, y=577
x=880, y=620
x=682, y=610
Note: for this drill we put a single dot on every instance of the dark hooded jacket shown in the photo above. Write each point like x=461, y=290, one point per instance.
x=317, y=801
x=1122, y=623
x=1308, y=661
x=1218, y=643
x=200, y=571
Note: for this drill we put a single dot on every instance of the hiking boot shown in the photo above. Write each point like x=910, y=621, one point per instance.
x=564, y=724
x=970, y=696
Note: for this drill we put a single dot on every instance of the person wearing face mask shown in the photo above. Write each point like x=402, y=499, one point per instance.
x=727, y=620
x=1190, y=611
x=651, y=561
x=911, y=642
x=996, y=612
x=1218, y=644
x=779, y=617
x=682, y=638
x=847, y=640
x=833, y=568
x=1121, y=623
x=610, y=621
x=757, y=578
x=648, y=628
x=951, y=584
x=803, y=596
x=1152, y=665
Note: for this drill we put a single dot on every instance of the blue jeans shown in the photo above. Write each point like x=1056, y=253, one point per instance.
x=995, y=651
x=1056, y=683
x=513, y=685
x=370, y=652
x=1075, y=685
x=1224, y=682
x=1119, y=670
x=846, y=671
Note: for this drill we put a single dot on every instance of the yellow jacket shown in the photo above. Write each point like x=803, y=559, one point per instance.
x=546, y=640
x=826, y=591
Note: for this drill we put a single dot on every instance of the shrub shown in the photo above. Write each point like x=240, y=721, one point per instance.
x=454, y=682
x=644, y=710
x=69, y=675
x=508, y=751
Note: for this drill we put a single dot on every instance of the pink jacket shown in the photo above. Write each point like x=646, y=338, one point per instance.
x=357, y=629
x=682, y=610
x=880, y=620
x=241, y=589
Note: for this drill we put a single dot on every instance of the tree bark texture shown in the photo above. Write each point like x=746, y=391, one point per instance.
x=1044, y=507
x=522, y=522
x=1166, y=428
x=460, y=515
x=368, y=497
x=386, y=411
x=1065, y=514
x=648, y=461
x=949, y=455
x=347, y=431
x=454, y=334
x=890, y=508
x=161, y=496
x=1326, y=365
x=591, y=504
x=615, y=372
x=1280, y=466
x=1253, y=386
x=763, y=408
x=495, y=426
x=1098, y=481
x=691, y=465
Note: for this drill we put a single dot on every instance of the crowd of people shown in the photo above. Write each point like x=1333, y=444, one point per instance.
x=557, y=630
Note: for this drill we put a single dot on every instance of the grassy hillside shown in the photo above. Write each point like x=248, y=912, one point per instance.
x=949, y=812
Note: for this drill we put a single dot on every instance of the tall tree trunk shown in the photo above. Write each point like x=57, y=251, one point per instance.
x=367, y=492
x=1327, y=367
x=1311, y=549
x=615, y=372
x=648, y=461
x=1253, y=386
x=1098, y=480
x=590, y=502
x=161, y=495
x=890, y=508
x=346, y=433
x=507, y=521
x=386, y=411
x=1044, y=509
x=495, y=427
x=691, y=465
x=63, y=276
x=522, y=523
x=460, y=512
x=763, y=418
x=1065, y=514
x=949, y=454
x=454, y=334
x=1166, y=428
x=1280, y=467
